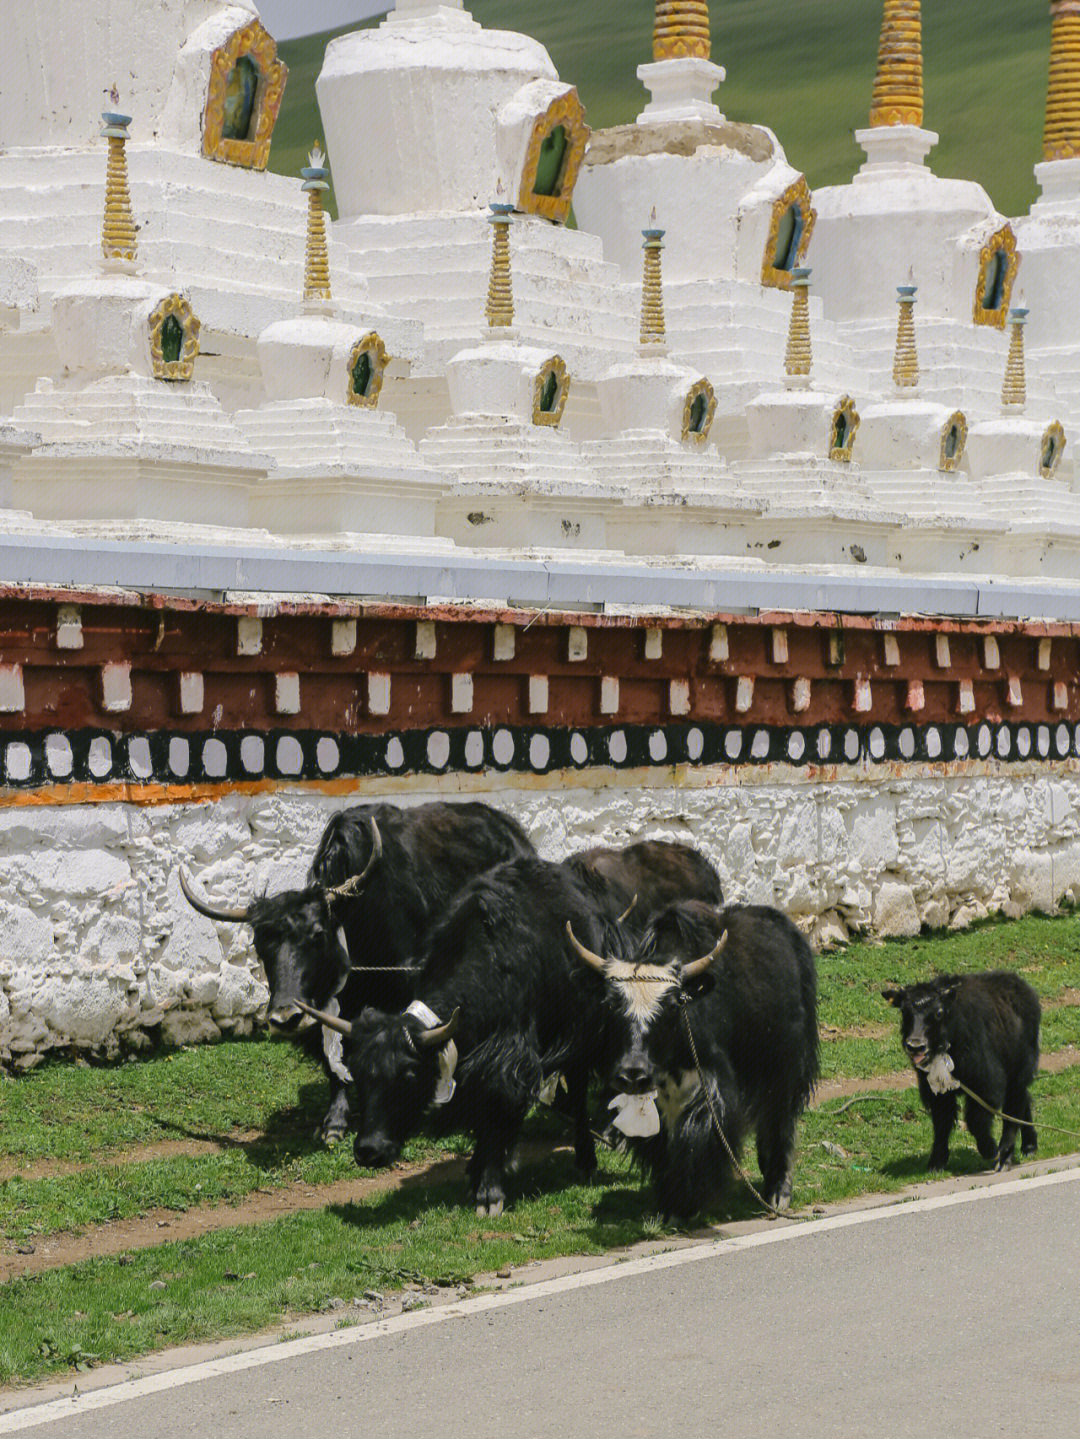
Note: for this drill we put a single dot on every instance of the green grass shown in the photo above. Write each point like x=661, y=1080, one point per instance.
x=66, y=1112
x=105, y=1308
x=804, y=70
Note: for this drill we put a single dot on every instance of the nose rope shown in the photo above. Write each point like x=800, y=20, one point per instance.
x=1011, y=1118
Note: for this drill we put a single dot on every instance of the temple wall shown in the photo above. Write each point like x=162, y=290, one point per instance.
x=97, y=944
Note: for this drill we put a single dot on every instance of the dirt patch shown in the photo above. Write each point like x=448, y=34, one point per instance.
x=840, y=1088
x=857, y=1031
x=167, y=1149
x=162, y=1226
x=1062, y=1000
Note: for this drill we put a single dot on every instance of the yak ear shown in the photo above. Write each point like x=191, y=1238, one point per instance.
x=895, y=997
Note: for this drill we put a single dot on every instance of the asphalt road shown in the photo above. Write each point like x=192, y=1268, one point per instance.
x=925, y=1321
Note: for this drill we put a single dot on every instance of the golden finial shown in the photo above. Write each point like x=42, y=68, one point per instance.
x=317, y=261
x=653, y=330
x=898, y=86
x=1061, y=140
x=681, y=30
x=799, y=356
x=118, y=238
x=905, y=370
x=1014, y=390
x=500, y=297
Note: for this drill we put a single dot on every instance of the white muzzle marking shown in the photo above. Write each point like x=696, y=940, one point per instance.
x=643, y=986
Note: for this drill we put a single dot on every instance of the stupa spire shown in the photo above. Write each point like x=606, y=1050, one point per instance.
x=1061, y=139
x=898, y=85
x=653, y=328
x=681, y=30
x=1014, y=390
x=317, y=260
x=906, y=359
x=118, y=235
x=500, y=297
x=798, y=357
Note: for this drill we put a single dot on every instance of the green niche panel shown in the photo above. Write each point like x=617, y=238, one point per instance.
x=698, y=410
x=172, y=340
x=361, y=375
x=840, y=430
x=1049, y=454
x=994, y=293
x=549, y=393
x=240, y=93
x=549, y=166
x=952, y=442
x=788, y=237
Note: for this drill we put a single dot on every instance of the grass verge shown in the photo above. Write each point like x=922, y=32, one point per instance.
x=255, y=1103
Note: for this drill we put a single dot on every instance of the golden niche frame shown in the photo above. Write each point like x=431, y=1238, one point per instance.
x=1003, y=241
x=847, y=415
x=569, y=112
x=251, y=41
x=177, y=308
x=947, y=462
x=372, y=346
x=554, y=368
x=701, y=434
x=1053, y=443
x=797, y=194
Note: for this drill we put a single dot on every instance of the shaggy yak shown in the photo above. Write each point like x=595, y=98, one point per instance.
x=744, y=979
x=502, y=1006
x=983, y=1030
x=380, y=876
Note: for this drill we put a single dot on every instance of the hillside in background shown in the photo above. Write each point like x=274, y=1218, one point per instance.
x=806, y=70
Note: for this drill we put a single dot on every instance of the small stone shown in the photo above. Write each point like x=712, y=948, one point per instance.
x=126, y=1259
x=502, y=1274
x=29, y=1249
x=157, y=1286
x=412, y=1301
x=335, y=1303
x=373, y=1296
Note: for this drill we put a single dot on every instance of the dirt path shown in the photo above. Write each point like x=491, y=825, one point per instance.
x=840, y=1088
x=161, y=1226
x=165, y=1225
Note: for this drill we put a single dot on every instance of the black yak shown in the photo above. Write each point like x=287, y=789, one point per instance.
x=643, y=878
x=380, y=876
x=983, y=1030
x=744, y=978
x=502, y=1005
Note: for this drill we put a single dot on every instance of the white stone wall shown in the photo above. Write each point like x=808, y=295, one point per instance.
x=97, y=943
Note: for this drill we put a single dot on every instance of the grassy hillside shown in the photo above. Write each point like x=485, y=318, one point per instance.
x=805, y=69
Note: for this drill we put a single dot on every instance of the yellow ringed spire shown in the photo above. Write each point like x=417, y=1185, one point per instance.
x=898, y=85
x=1061, y=139
x=681, y=30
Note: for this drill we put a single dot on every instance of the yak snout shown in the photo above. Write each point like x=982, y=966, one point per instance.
x=375, y=1151
x=633, y=1077
x=288, y=1018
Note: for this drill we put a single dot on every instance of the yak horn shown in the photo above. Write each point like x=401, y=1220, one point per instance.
x=628, y=911
x=442, y=1034
x=593, y=960
x=230, y=916
x=332, y=1021
x=352, y=887
x=699, y=966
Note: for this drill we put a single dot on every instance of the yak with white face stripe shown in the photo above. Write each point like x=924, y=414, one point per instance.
x=500, y=980
x=744, y=980
x=381, y=875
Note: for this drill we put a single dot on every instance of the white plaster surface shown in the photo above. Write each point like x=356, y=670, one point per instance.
x=96, y=938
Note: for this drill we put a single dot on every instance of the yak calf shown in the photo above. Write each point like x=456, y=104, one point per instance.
x=983, y=1030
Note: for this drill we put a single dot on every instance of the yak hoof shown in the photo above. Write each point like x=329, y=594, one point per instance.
x=1004, y=1161
x=331, y=1132
x=491, y=1210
